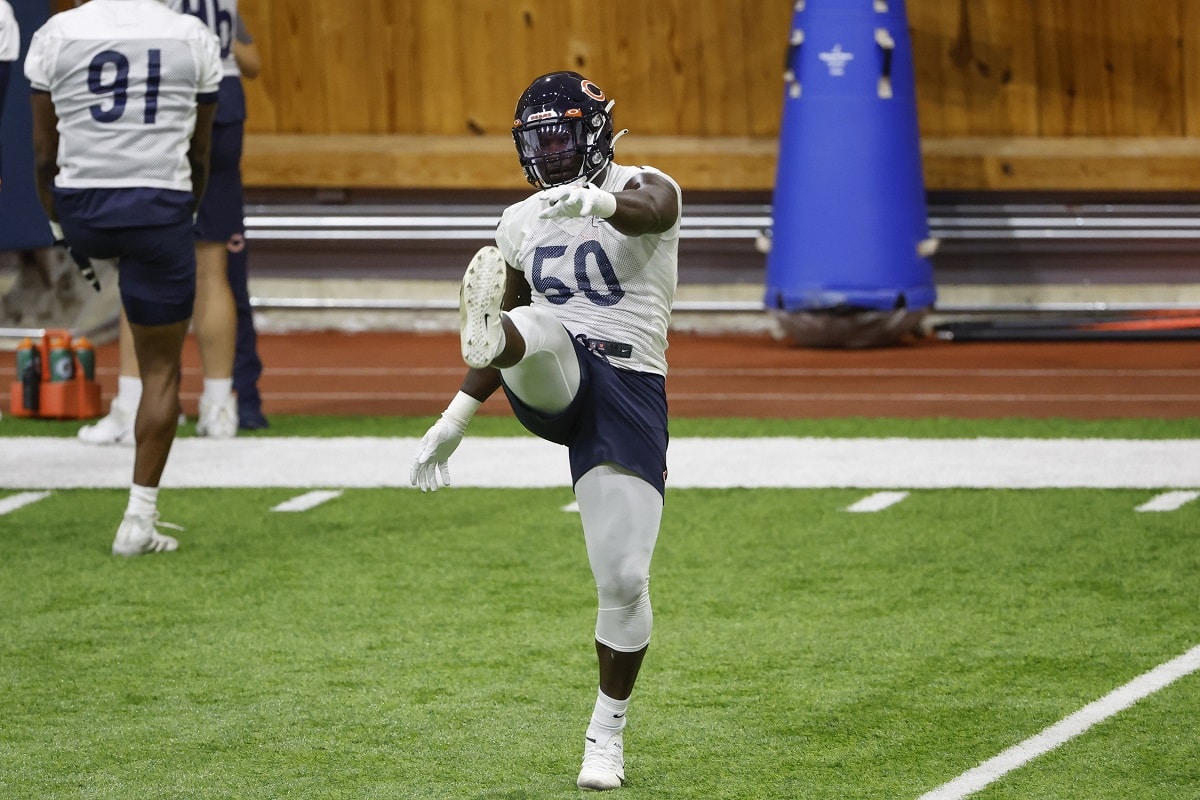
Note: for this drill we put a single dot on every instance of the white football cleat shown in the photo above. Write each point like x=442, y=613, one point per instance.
x=115, y=428
x=137, y=536
x=603, y=767
x=480, y=331
x=218, y=420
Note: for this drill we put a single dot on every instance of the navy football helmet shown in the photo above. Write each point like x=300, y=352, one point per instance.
x=563, y=130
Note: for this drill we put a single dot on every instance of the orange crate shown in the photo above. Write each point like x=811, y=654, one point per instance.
x=75, y=399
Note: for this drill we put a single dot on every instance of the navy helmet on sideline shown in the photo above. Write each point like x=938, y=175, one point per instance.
x=563, y=130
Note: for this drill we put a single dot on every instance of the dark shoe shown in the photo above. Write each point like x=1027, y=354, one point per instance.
x=251, y=419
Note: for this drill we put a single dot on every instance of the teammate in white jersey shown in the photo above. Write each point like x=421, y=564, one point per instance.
x=124, y=94
x=223, y=321
x=10, y=46
x=569, y=314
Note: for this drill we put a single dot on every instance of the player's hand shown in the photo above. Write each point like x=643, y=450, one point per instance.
x=577, y=201
x=433, y=455
x=82, y=262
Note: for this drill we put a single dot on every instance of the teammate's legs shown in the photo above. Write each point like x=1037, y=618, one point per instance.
x=159, y=351
x=215, y=323
x=247, y=366
x=218, y=218
x=157, y=276
x=215, y=319
x=538, y=362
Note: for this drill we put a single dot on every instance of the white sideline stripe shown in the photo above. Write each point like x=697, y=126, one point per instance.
x=877, y=502
x=571, y=508
x=10, y=504
x=1168, y=501
x=32, y=462
x=1059, y=733
x=306, y=501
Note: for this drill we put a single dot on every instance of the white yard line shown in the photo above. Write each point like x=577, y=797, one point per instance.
x=877, y=502
x=28, y=463
x=10, y=504
x=307, y=500
x=1168, y=501
x=1112, y=703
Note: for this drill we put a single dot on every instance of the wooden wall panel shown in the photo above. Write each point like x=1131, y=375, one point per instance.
x=976, y=66
x=1110, y=68
x=987, y=68
x=712, y=67
x=1189, y=40
x=455, y=67
x=687, y=71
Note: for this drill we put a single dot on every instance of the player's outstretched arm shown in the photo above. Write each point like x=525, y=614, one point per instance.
x=647, y=204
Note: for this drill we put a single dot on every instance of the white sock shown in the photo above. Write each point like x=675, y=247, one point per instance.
x=608, y=718
x=143, y=500
x=217, y=390
x=129, y=393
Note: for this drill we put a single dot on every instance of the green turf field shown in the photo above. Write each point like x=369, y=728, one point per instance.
x=388, y=644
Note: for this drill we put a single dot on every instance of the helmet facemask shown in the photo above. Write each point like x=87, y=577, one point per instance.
x=563, y=149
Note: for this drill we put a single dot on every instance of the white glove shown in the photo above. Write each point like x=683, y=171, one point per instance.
x=440, y=441
x=577, y=201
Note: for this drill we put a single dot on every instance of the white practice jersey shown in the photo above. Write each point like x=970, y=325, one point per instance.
x=10, y=34
x=124, y=76
x=597, y=281
x=220, y=17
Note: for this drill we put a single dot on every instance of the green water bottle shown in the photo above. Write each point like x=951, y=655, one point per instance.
x=62, y=360
x=24, y=357
x=86, y=354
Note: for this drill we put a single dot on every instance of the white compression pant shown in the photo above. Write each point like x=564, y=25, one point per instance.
x=547, y=376
x=620, y=511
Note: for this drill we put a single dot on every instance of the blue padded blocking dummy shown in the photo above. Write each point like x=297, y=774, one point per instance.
x=849, y=207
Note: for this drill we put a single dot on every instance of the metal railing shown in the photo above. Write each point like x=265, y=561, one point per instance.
x=744, y=229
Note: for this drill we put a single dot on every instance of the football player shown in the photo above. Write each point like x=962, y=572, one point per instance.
x=124, y=94
x=569, y=315
x=224, y=323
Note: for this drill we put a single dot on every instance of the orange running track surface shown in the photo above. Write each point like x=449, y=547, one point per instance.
x=742, y=376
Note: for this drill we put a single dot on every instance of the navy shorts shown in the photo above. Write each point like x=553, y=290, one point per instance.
x=157, y=262
x=618, y=416
x=220, y=216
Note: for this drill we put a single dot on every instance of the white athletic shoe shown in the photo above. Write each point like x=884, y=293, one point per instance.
x=137, y=536
x=116, y=428
x=603, y=767
x=479, y=299
x=218, y=420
